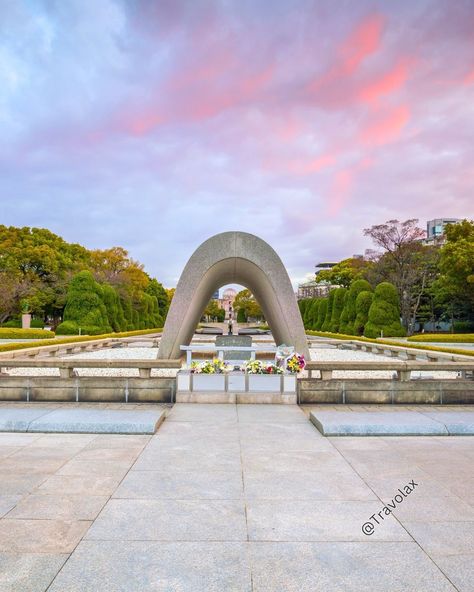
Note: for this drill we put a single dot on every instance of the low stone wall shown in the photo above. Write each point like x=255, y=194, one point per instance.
x=432, y=392
x=88, y=388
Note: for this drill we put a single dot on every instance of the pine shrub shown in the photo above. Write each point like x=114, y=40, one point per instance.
x=384, y=313
x=327, y=319
x=337, y=308
x=349, y=313
x=322, y=310
x=363, y=302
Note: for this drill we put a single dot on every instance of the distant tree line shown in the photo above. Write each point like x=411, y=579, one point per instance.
x=74, y=288
x=403, y=285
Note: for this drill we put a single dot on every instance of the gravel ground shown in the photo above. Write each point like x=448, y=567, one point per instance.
x=149, y=353
x=122, y=353
x=328, y=354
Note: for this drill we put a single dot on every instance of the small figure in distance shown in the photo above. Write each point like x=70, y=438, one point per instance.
x=229, y=326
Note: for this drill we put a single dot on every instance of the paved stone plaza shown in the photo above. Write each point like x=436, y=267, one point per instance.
x=234, y=498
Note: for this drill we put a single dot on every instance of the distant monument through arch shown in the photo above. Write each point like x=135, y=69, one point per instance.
x=240, y=258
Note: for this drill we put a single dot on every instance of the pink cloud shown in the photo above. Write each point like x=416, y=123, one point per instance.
x=337, y=87
x=307, y=167
x=388, y=83
x=342, y=186
x=387, y=128
x=469, y=78
x=364, y=41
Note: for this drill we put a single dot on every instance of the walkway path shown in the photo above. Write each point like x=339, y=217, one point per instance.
x=234, y=498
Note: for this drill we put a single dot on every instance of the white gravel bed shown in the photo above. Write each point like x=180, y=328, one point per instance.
x=122, y=353
x=332, y=354
x=150, y=353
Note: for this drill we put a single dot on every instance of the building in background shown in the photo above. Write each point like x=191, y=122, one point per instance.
x=314, y=289
x=435, y=229
x=227, y=302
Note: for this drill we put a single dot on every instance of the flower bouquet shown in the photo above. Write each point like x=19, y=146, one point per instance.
x=295, y=363
x=259, y=367
x=214, y=366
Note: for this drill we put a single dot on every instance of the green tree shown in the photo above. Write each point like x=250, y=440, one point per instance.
x=363, y=302
x=344, y=273
x=454, y=288
x=212, y=310
x=156, y=289
x=405, y=262
x=327, y=319
x=349, y=313
x=114, y=309
x=322, y=310
x=384, y=313
x=340, y=295
x=85, y=308
x=246, y=301
x=313, y=313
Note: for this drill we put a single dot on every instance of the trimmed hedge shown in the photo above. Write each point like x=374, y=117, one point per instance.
x=14, y=346
x=322, y=310
x=443, y=337
x=313, y=313
x=362, y=306
x=349, y=312
x=85, y=307
x=326, y=326
x=384, y=313
x=7, y=333
x=340, y=295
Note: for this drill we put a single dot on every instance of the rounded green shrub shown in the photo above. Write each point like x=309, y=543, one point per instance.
x=322, y=310
x=307, y=312
x=384, y=313
x=67, y=328
x=363, y=302
x=84, y=304
x=313, y=313
x=340, y=295
x=349, y=313
x=326, y=326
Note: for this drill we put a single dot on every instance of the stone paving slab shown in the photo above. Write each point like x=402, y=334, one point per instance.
x=227, y=499
x=80, y=420
x=28, y=572
x=457, y=423
x=18, y=419
x=390, y=423
x=143, y=566
x=344, y=567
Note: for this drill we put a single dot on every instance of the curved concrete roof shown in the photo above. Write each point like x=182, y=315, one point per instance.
x=241, y=258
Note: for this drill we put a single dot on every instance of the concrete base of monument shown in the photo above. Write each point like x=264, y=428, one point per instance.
x=236, y=382
x=271, y=398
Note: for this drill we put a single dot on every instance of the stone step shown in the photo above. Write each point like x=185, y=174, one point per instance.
x=80, y=421
x=237, y=398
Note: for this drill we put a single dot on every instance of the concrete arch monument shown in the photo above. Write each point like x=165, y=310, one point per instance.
x=241, y=258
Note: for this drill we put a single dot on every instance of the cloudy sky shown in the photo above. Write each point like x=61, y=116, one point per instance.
x=154, y=124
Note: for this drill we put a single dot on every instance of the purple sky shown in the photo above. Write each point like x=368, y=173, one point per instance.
x=156, y=124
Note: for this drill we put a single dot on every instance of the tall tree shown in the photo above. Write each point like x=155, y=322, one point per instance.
x=245, y=300
x=405, y=262
x=454, y=288
x=344, y=272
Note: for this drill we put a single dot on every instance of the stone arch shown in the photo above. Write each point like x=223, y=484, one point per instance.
x=240, y=258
